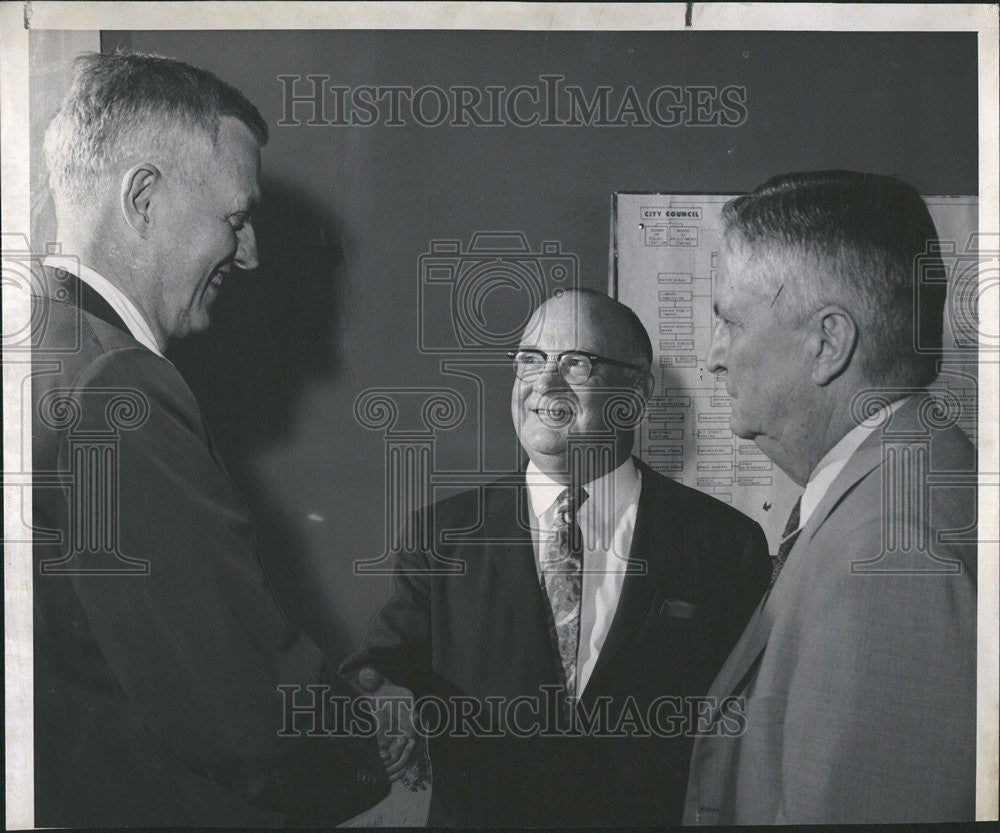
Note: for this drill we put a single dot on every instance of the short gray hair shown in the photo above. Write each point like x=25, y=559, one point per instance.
x=124, y=103
x=862, y=233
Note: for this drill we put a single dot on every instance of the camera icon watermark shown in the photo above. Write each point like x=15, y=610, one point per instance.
x=915, y=538
x=967, y=274
x=27, y=280
x=479, y=298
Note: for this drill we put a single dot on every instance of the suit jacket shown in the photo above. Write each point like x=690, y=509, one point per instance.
x=859, y=670
x=485, y=634
x=158, y=643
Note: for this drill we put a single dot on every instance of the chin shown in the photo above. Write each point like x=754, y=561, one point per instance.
x=200, y=322
x=547, y=453
x=743, y=434
x=740, y=431
x=550, y=446
x=551, y=462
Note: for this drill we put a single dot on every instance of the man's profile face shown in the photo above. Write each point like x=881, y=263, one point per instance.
x=547, y=409
x=762, y=357
x=206, y=231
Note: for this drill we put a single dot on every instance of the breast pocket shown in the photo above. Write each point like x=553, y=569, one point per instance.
x=665, y=637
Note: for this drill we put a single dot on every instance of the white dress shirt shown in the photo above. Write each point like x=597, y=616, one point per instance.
x=117, y=300
x=607, y=520
x=836, y=458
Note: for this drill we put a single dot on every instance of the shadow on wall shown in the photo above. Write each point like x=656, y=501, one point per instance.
x=274, y=333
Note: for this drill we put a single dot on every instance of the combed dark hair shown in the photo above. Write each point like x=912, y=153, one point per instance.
x=124, y=103
x=864, y=231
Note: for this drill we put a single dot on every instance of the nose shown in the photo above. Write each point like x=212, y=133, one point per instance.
x=548, y=377
x=717, y=350
x=246, y=250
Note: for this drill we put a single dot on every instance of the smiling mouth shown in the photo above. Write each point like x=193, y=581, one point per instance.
x=555, y=416
x=214, y=285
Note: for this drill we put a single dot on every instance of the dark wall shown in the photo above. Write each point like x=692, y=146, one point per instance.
x=348, y=211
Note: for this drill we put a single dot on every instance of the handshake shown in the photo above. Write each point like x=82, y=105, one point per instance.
x=393, y=709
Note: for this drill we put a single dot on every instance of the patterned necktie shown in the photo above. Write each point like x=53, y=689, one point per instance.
x=562, y=569
x=788, y=539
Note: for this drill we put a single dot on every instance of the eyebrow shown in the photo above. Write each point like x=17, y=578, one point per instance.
x=776, y=294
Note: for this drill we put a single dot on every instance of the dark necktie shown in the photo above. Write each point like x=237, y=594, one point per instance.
x=788, y=539
x=562, y=569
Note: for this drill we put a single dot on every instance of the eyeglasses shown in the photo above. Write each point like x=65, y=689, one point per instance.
x=574, y=367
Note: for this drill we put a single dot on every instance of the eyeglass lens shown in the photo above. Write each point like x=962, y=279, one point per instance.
x=573, y=367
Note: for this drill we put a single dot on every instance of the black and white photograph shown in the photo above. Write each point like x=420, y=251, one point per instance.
x=500, y=415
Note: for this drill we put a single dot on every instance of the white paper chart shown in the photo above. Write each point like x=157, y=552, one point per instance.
x=665, y=250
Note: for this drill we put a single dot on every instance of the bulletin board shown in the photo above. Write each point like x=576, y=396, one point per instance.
x=665, y=250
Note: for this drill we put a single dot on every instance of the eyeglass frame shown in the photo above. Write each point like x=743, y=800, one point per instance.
x=593, y=358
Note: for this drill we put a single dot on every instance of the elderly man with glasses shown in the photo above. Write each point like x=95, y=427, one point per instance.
x=567, y=660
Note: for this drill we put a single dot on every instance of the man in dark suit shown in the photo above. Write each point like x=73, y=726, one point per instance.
x=164, y=671
x=858, y=671
x=595, y=602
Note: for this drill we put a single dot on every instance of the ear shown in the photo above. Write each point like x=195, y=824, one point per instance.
x=645, y=386
x=832, y=341
x=644, y=389
x=138, y=187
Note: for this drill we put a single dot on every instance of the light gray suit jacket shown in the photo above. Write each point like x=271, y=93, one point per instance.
x=859, y=668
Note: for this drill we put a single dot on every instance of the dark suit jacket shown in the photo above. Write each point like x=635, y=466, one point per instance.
x=158, y=644
x=485, y=634
x=859, y=672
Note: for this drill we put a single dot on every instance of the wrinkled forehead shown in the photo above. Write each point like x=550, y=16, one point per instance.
x=579, y=322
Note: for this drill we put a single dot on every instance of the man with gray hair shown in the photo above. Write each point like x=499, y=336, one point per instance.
x=857, y=673
x=161, y=655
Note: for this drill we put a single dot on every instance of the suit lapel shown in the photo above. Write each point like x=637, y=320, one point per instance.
x=745, y=654
x=653, y=553
x=74, y=291
x=752, y=643
x=510, y=546
x=866, y=458
x=736, y=671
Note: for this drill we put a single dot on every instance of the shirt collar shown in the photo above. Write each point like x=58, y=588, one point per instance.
x=836, y=458
x=129, y=313
x=622, y=484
